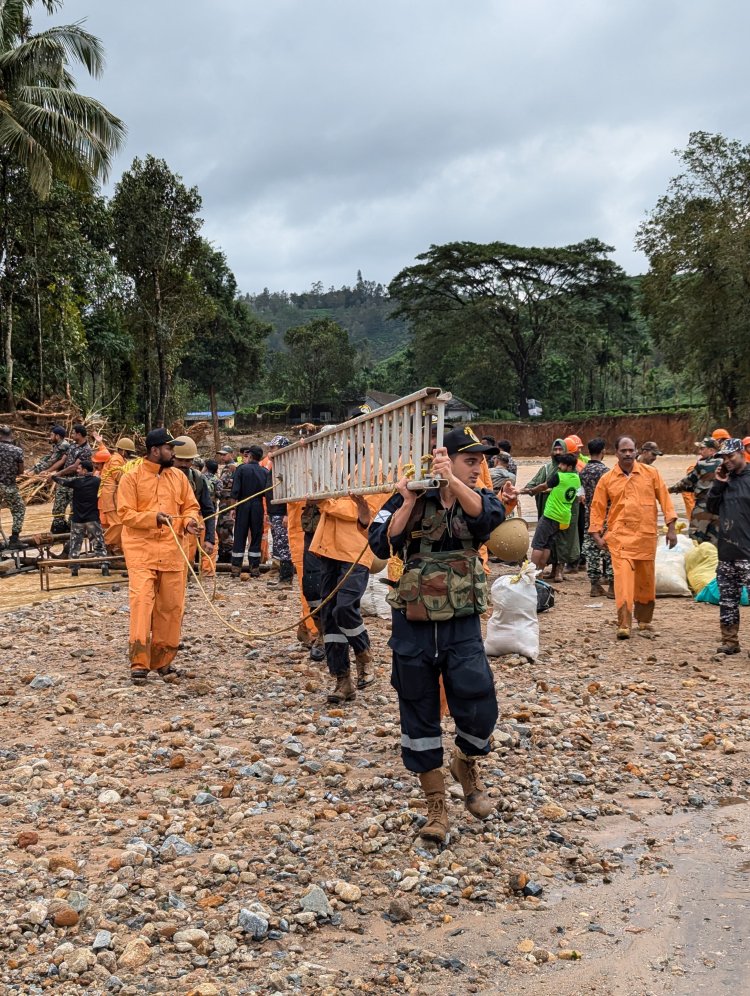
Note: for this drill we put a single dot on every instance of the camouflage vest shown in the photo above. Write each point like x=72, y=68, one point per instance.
x=443, y=585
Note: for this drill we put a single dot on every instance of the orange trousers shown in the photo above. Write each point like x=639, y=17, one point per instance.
x=112, y=531
x=635, y=590
x=157, y=600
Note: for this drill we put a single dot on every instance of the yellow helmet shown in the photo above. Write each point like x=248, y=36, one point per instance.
x=125, y=444
x=509, y=541
x=185, y=448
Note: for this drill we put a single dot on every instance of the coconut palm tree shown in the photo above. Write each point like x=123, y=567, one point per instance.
x=47, y=129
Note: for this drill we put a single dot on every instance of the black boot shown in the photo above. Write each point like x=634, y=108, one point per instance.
x=14, y=543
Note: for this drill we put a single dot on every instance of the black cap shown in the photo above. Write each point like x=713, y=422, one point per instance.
x=159, y=437
x=59, y=431
x=465, y=441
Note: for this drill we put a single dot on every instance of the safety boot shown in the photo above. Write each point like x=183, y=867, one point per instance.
x=365, y=673
x=465, y=769
x=344, y=690
x=255, y=571
x=611, y=590
x=623, y=633
x=597, y=590
x=730, y=641
x=14, y=543
x=557, y=574
x=236, y=571
x=437, y=826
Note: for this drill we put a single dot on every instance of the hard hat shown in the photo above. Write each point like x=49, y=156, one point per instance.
x=378, y=565
x=720, y=434
x=578, y=440
x=510, y=541
x=125, y=444
x=746, y=441
x=102, y=455
x=185, y=448
x=571, y=444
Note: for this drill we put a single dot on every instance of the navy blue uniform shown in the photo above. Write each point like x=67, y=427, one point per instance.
x=249, y=479
x=422, y=651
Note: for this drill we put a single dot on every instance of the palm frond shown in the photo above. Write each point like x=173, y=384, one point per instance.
x=79, y=111
x=27, y=152
x=52, y=48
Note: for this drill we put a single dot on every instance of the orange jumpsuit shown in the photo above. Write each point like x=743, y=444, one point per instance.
x=156, y=569
x=628, y=503
x=108, y=501
x=688, y=497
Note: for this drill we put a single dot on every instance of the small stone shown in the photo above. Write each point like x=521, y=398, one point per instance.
x=41, y=681
x=27, y=838
x=80, y=961
x=204, y=799
x=400, y=911
x=517, y=881
x=253, y=923
x=525, y=946
x=348, y=893
x=569, y=954
x=137, y=952
x=36, y=914
x=102, y=941
x=220, y=863
x=224, y=944
x=177, y=761
x=173, y=844
x=316, y=901
x=64, y=916
x=533, y=889
x=109, y=798
x=554, y=812
x=196, y=938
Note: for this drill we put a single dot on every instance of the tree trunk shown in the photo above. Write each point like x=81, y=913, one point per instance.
x=6, y=319
x=38, y=313
x=214, y=418
x=161, y=358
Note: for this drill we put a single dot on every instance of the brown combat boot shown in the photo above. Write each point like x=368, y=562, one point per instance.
x=557, y=574
x=611, y=590
x=730, y=640
x=344, y=690
x=365, y=673
x=437, y=826
x=236, y=571
x=597, y=590
x=465, y=769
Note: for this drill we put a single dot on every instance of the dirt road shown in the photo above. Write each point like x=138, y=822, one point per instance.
x=232, y=833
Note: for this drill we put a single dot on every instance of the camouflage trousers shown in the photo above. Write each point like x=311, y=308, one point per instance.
x=598, y=562
x=732, y=576
x=60, y=504
x=91, y=529
x=10, y=497
x=281, y=550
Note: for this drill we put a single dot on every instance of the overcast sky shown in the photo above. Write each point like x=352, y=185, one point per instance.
x=327, y=136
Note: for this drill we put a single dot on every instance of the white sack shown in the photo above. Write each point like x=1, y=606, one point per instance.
x=671, y=574
x=513, y=627
x=373, y=601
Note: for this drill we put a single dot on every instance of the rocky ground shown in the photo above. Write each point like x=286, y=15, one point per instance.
x=232, y=833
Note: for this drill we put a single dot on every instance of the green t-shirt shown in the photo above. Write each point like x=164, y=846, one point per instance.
x=560, y=500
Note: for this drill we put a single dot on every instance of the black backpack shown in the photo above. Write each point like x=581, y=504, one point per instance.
x=545, y=597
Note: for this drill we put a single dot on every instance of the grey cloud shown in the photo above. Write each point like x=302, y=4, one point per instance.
x=332, y=135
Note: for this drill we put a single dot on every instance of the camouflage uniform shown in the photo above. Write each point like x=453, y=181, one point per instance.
x=598, y=562
x=59, y=449
x=63, y=496
x=704, y=527
x=11, y=461
x=225, y=522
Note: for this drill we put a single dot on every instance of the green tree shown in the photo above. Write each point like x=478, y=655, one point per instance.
x=157, y=244
x=696, y=294
x=226, y=354
x=508, y=302
x=317, y=364
x=47, y=130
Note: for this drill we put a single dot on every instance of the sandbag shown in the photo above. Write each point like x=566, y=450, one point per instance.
x=671, y=576
x=513, y=627
x=701, y=563
x=373, y=600
x=710, y=594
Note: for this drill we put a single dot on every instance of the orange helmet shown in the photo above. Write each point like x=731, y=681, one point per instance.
x=572, y=444
x=746, y=441
x=720, y=434
x=102, y=455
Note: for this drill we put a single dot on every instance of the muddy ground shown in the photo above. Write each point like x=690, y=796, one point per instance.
x=233, y=833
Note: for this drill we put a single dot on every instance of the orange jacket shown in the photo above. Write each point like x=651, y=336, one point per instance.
x=110, y=479
x=142, y=493
x=628, y=503
x=337, y=535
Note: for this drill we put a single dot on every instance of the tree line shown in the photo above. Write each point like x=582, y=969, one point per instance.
x=124, y=305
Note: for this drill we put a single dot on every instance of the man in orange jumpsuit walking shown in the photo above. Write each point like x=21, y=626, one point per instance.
x=626, y=498
x=148, y=499
x=124, y=451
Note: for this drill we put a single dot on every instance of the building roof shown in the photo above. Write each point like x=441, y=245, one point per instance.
x=207, y=415
x=460, y=403
x=381, y=397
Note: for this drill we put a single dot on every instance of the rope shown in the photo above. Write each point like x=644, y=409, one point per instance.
x=274, y=632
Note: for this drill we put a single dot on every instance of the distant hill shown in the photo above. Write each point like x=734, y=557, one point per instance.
x=364, y=310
